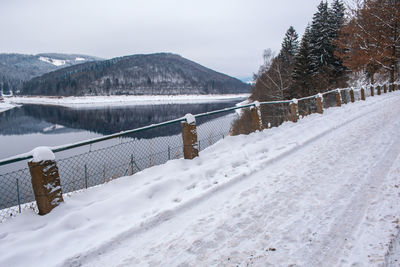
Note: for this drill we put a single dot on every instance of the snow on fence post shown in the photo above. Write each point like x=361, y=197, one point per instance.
x=362, y=94
x=319, y=101
x=384, y=89
x=352, y=95
x=338, y=99
x=45, y=180
x=294, y=110
x=189, y=136
x=256, y=120
x=379, y=90
x=372, y=91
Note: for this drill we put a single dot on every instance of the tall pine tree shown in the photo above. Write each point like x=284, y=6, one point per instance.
x=290, y=45
x=302, y=72
x=336, y=22
x=320, y=39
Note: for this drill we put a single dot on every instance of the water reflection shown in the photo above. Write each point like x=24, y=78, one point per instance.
x=106, y=120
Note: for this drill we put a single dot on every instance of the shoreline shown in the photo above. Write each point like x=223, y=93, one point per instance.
x=97, y=101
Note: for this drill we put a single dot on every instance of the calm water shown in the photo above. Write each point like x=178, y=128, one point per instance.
x=29, y=126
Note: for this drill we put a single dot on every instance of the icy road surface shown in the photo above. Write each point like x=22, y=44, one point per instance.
x=320, y=192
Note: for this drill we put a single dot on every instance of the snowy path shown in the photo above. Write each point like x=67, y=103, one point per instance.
x=322, y=192
x=307, y=209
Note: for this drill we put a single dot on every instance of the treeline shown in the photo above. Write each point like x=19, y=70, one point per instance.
x=154, y=74
x=333, y=46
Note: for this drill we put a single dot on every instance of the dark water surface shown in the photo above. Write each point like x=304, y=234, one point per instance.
x=29, y=126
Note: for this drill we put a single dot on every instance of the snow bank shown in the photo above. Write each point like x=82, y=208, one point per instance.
x=190, y=119
x=93, y=101
x=4, y=106
x=42, y=153
x=312, y=193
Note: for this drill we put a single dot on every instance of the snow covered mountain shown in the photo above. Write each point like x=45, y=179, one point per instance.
x=153, y=74
x=17, y=68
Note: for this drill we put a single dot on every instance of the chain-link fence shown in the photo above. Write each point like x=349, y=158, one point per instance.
x=91, y=163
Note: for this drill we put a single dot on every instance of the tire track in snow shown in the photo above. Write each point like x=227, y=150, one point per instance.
x=347, y=222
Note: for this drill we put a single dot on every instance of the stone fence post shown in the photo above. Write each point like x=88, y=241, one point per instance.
x=320, y=101
x=189, y=136
x=256, y=118
x=362, y=94
x=294, y=110
x=45, y=180
x=338, y=98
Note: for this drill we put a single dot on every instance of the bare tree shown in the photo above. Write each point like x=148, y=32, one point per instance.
x=370, y=40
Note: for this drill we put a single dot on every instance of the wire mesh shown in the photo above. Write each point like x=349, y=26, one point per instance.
x=212, y=128
x=307, y=106
x=16, y=193
x=122, y=157
x=273, y=115
x=345, y=96
x=329, y=99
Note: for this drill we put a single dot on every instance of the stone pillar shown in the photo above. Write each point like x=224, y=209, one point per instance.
x=338, y=99
x=189, y=136
x=384, y=89
x=319, y=100
x=372, y=91
x=256, y=119
x=45, y=180
x=362, y=94
x=379, y=90
x=294, y=111
x=390, y=87
x=352, y=96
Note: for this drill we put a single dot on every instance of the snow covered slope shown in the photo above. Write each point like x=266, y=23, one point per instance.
x=320, y=192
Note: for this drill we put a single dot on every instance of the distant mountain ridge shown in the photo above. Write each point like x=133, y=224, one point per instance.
x=157, y=74
x=17, y=68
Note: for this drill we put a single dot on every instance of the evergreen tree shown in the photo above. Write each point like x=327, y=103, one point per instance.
x=302, y=72
x=290, y=45
x=320, y=39
x=336, y=22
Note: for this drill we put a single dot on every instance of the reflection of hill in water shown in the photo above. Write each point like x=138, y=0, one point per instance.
x=18, y=121
x=105, y=120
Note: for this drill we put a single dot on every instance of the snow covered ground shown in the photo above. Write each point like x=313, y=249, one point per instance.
x=4, y=106
x=321, y=192
x=93, y=101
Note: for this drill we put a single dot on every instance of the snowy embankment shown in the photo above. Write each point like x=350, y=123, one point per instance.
x=4, y=106
x=320, y=192
x=92, y=101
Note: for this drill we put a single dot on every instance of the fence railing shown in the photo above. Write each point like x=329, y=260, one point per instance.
x=96, y=161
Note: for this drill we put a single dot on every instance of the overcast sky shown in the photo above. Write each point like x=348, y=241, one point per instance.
x=226, y=35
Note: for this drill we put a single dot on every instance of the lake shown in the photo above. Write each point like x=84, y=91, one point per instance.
x=29, y=126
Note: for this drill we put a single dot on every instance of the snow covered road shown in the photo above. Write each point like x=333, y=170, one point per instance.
x=321, y=192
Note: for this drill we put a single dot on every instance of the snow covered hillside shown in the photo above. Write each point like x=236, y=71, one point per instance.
x=320, y=192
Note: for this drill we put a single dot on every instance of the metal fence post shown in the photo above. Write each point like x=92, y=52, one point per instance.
x=379, y=90
x=362, y=94
x=18, y=197
x=189, y=136
x=86, y=176
x=384, y=89
x=372, y=90
x=45, y=182
x=338, y=99
x=352, y=96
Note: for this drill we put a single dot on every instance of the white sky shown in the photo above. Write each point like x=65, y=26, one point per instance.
x=227, y=36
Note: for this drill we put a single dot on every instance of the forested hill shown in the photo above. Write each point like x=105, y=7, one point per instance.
x=158, y=74
x=17, y=68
